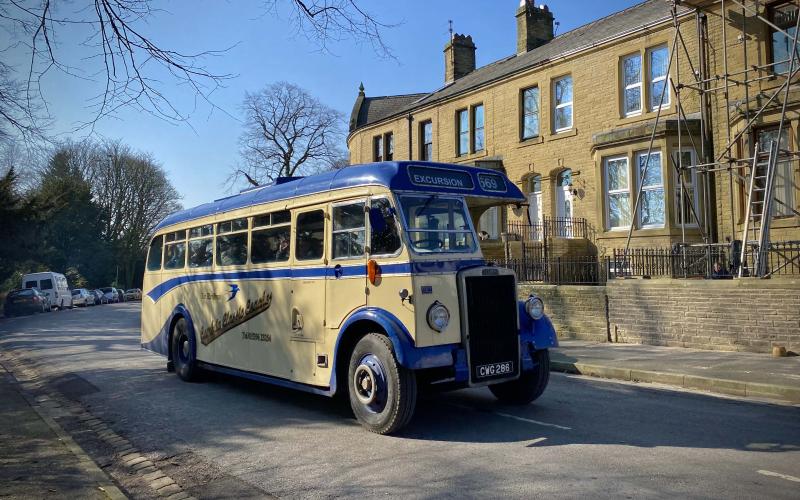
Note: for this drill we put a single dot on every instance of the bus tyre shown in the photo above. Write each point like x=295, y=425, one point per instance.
x=383, y=394
x=529, y=386
x=181, y=350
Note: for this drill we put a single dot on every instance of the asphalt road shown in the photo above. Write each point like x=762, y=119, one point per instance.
x=584, y=437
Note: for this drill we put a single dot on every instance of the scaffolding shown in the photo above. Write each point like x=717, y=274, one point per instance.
x=756, y=168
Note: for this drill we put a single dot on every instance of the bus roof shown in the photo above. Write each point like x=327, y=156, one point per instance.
x=426, y=177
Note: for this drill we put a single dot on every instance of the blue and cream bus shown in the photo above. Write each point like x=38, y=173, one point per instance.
x=366, y=281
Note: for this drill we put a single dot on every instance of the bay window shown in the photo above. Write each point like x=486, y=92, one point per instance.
x=618, y=193
x=651, y=205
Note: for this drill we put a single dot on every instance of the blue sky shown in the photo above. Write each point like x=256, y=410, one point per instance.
x=267, y=49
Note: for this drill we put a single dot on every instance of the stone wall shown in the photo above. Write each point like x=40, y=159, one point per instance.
x=729, y=315
x=577, y=312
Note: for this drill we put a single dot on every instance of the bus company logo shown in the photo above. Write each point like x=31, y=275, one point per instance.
x=233, y=291
x=231, y=320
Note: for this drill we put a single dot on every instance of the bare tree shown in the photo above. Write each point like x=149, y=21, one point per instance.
x=287, y=132
x=324, y=21
x=133, y=69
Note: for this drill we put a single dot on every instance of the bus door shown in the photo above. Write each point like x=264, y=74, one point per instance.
x=346, y=281
x=307, y=304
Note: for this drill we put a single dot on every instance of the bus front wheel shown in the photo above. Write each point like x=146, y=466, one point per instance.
x=383, y=394
x=529, y=386
x=181, y=350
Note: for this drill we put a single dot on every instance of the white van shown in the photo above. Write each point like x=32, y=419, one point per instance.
x=53, y=285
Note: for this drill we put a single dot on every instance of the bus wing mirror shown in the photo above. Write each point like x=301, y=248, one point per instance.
x=376, y=219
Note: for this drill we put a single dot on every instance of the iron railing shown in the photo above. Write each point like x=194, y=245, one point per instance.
x=549, y=227
x=559, y=270
x=716, y=261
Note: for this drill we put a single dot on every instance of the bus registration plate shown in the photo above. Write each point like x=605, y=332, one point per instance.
x=495, y=369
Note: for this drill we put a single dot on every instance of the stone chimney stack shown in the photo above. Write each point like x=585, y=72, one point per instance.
x=459, y=57
x=534, y=26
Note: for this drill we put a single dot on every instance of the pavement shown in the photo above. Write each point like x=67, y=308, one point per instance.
x=39, y=459
x=733, y=373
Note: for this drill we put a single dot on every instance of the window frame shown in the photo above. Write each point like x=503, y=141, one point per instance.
x=609, y=192
x=524, y=113
x=295, y=227
x=624, y=87
x=650, y=80
x=255, y=229
x=398, y=224
x=461, y=133
x=696, y=189
x=377, y=148
x=563, y=105
x=174, y=242
x=653, y=187
x=473, y=113
x=423, y=145
x=771, y=39
x=161, y=260
x=388, y=146
x=191, y=238
x=218, y=234
x=333, y=232
x=791, y=190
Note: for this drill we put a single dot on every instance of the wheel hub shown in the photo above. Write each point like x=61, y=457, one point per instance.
x=369, y=383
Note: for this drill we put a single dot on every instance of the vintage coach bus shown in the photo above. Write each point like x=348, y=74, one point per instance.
x=367, y=281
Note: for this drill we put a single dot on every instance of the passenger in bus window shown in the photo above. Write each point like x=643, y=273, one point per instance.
x=232, y=249
x=200, y=253
x=270, y=245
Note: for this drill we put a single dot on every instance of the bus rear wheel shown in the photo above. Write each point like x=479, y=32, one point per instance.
x=383, y=394
x=181, y=350
x=529, y=386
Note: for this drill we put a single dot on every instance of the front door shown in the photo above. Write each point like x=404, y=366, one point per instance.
x=564, y=204
x=346, y=279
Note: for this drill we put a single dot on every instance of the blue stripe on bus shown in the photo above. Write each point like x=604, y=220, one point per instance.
x=416, y=268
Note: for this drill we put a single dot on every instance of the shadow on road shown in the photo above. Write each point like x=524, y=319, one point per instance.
x=103, y=367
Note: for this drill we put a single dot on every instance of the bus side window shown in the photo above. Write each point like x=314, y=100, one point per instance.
x=270, y=237
x=175, y=250
x=384, y=238
x=310, y=235
x=232, y=242
x=154, y=255
x=201, y=246
x=349, y=231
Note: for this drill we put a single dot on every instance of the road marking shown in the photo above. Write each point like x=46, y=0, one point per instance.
x=777, y=474
x=531, y=421
x=507, y=415
x=535, y=442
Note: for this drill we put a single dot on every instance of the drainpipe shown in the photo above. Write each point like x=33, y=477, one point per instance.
x=410, y=119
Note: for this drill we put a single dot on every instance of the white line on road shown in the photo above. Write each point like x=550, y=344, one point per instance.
x=531, y=421
x=507, y=415
x=778, y=474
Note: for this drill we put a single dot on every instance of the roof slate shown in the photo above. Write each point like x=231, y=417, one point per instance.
x=625, y=21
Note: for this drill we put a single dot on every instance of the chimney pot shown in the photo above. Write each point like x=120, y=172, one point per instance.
x=459, y=57
x=534, y=26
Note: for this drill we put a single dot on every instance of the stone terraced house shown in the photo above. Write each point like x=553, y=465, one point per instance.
x=569, y=118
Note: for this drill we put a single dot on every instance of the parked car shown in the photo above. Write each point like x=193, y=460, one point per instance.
x=81, y=297
x=121, y=294
x=133, y=294
x=110, y=294
x=26, y=301
x=101, y=298
x=54, y=285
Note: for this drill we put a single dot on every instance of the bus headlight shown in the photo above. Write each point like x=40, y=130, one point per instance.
x=534, y=307
x=438, y=316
